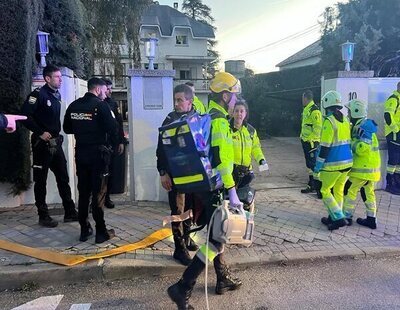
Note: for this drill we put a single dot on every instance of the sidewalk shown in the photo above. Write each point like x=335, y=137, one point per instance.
x=288, y=229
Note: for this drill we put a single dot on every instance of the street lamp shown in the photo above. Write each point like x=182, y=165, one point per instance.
x=347, y=54
x=150, y=50
x=42, y=47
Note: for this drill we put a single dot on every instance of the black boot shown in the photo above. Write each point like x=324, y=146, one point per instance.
x=180, y=292
x=326, y=220
x=310, y=186
x=225, y=280
x=86, y=232
x=45, y=219
x=368, y=222
x=181, y=253
x=71, y=216
x=189, y=242
x=104, y=235
x=109, y=203
x=337, y=224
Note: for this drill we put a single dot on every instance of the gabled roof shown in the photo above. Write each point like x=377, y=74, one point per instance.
x=310, y=51
x=166, y=19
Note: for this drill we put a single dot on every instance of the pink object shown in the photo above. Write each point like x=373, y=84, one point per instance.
x=12, y=119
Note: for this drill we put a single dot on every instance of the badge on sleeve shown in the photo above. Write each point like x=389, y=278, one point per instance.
x=32, y=100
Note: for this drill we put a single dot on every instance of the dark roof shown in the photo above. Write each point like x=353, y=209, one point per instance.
x=310, y=51
x=167, y=18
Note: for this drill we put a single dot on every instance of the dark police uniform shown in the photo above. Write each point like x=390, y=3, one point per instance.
x=42, y=107
x=120, y=140
x=92, y=124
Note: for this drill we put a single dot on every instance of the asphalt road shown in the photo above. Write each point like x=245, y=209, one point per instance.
x=339, y=284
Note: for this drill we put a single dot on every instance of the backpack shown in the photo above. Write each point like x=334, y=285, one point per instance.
x=187, y=143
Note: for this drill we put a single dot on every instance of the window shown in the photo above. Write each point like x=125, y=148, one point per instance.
x=185, y=75
x=181, y=40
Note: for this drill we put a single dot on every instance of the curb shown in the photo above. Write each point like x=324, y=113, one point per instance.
x=16, y=277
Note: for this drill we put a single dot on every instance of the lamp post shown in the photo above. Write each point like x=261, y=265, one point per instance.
x=42, y=46
x=150, y=50
x=347, y=54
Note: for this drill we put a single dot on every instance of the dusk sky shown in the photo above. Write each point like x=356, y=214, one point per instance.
x=257, y=31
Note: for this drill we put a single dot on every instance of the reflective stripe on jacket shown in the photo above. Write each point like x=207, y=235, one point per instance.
x=336, y=136
x=311, y=123
x=366, y=157
x=221, y=143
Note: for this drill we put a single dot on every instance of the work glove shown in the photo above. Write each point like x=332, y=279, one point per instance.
x=234, y=202
x=12, y=119
x=263, y=165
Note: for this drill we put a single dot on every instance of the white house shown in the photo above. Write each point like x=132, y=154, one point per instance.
x=182, y=46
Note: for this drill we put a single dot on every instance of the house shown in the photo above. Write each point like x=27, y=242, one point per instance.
x=309, y=55
x=182, y=46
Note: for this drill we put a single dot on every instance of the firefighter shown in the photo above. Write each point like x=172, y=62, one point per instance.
x=224, y=88
x=366, y=165
x=392, y=127
x=334, y=159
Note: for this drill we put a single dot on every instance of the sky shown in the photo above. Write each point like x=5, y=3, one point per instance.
x=264, y=32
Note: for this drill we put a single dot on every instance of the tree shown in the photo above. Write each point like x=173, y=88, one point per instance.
x=202, y=13
x=373, y=26
x=70, y=38
x=114, y=23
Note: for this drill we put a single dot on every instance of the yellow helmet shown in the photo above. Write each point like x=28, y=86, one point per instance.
x=331, y=98
x=224, y=81
x=357, y=108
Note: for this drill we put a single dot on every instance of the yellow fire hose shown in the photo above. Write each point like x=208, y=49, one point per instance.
x=71, y=260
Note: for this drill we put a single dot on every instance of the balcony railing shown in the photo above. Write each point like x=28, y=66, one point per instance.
x=199, y=84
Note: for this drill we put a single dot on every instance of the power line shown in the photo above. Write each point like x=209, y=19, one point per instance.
x=292, y=36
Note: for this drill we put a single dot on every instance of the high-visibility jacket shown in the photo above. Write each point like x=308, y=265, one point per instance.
x=366, y=158
x=245, y=145
x=221, y=143
x=336, y=137
x=198, y=105
x=392, y=106
x=311, y=123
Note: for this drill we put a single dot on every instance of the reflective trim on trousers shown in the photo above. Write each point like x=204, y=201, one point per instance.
x=212, y=252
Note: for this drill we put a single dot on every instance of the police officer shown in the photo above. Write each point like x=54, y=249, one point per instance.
x=178, y=202
x=224, y=88
x=334, y=159
x=392, y=128
x=366, y=170
x=311, y=124
x=42, y=108
x=118, y=149
x=90, y=120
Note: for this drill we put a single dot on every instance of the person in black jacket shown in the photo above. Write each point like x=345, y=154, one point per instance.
x=91, y=121
x=118, y=149
x=42, y=108
x=178, y=202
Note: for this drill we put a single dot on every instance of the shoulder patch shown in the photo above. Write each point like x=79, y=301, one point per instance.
x=32, y=99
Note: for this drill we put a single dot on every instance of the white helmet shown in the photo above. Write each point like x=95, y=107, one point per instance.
x=357, y=109
x=331, y=98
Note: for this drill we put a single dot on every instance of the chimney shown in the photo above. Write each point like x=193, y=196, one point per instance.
x=175, y=5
